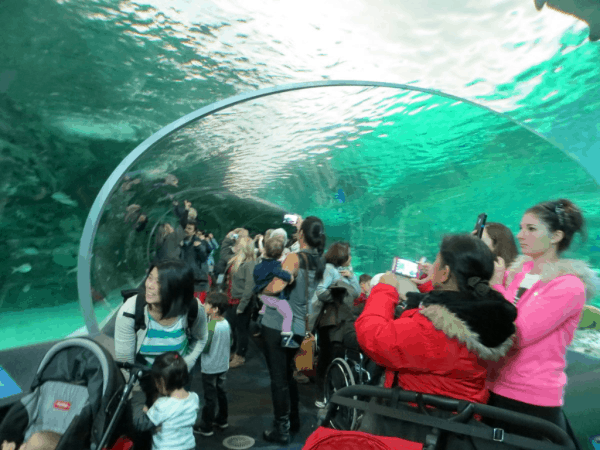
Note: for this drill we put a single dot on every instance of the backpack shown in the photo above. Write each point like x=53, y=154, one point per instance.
x=138, y=317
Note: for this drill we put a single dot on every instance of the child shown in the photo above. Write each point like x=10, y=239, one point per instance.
x=42, y=440
x=264, y=272
x=365, y=290
x=173, y=415
x=215, y=364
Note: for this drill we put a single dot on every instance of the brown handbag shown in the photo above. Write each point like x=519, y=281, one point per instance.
x=305, y=358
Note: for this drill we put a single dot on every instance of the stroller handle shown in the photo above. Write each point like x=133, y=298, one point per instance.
x=131, y=367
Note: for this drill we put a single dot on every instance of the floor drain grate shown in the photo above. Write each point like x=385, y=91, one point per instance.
x=238, y=442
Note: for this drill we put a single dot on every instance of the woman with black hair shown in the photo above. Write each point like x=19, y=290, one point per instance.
x=307, y=267
x=168, y=292
x=438, y=343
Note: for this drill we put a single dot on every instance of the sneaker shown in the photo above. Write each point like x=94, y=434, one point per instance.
x=237, y=361
x=203, y=431
x=222, y=426
x=301, y=378
x=288, y=341
x=319, y=404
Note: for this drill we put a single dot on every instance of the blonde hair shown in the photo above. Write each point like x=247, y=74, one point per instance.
x=244, y=252
x=43, y=440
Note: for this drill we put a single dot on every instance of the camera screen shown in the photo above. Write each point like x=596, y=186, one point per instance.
x=405, y=267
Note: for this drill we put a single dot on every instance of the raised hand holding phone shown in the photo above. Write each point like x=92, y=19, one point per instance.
x=480, y=224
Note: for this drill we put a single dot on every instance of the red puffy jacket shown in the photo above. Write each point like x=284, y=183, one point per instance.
x=423, y=357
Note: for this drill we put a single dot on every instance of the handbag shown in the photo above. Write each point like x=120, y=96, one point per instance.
x=305, y=358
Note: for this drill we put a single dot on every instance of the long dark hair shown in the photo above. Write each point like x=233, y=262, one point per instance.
x=561, y=215
x=314, y=236
x=467, y=256
x=176, y=281
x=172, y=369
x=504, y=242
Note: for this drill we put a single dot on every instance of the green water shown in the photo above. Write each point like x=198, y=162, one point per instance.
x=83, y=83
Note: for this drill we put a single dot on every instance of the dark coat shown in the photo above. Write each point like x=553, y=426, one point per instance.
x=196, y=256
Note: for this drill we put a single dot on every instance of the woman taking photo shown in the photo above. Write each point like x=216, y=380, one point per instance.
x=284, y=390
x=241, y=282
x=501, y=242
x=167, y=292
x=438, y=343
x=549, y=293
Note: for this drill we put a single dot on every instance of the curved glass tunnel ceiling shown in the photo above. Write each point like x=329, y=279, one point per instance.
x=389, y=170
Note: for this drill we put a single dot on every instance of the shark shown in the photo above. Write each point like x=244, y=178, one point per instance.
x=585, y=10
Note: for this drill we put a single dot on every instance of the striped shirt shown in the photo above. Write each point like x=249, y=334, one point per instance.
x=161, y=339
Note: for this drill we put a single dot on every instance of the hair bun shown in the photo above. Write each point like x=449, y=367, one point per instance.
x=479, y=286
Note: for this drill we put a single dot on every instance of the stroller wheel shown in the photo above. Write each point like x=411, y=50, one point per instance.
x=339, y=375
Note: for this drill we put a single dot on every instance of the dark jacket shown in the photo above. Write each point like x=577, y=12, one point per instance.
x=196, y=256
x=225, y=255
x=182, y=215
x=437, y=344
x=168, y=247
x=265, y=271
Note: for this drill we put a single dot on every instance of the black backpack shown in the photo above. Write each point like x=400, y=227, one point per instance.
x=138, y=317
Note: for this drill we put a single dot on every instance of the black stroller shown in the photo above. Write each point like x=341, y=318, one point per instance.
x=79, y=393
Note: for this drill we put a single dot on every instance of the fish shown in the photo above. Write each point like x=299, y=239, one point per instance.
x=22, y=269
x=340, y=196
x=32, y=251
x=63, y=198
x=586, y=10
x=27, y=288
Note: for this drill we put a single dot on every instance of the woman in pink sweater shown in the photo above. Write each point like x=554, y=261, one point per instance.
x=549, y=293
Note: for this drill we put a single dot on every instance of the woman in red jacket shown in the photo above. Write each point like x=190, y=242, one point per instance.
x=438, y=343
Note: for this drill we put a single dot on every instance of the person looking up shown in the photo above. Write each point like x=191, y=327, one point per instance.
x=215, y=364
x=194, y=252
x=451, y=330
x=240, y=283
x=307, y=267
x=501, y=242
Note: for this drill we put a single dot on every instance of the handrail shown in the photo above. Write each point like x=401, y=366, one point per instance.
x=546, y=428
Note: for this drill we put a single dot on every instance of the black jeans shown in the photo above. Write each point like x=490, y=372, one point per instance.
x=551, y=414
x=214, y=394
x=231, y=317
x=243, y=330
x=280, y=362
x=328, y=351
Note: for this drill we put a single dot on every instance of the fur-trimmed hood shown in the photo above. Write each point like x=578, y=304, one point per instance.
x=551, y=271
x=486, y=326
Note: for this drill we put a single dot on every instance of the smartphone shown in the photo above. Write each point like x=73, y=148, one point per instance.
x=292, y=219
x=480, y=225
x=405, y=267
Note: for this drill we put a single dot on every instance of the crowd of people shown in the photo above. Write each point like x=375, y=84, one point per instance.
x=481, y=323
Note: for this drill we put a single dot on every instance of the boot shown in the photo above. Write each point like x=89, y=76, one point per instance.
x=294, y=422
x=281, y=433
